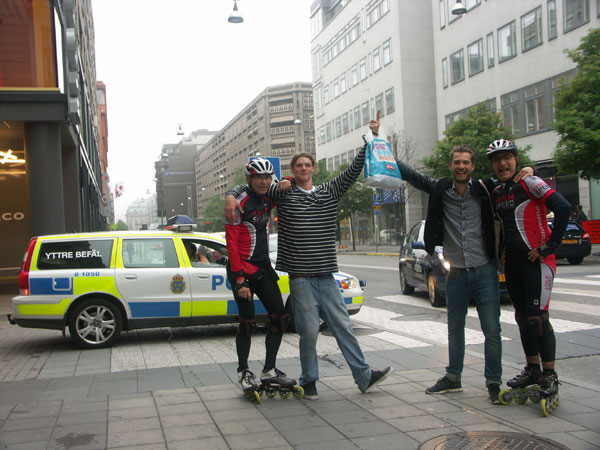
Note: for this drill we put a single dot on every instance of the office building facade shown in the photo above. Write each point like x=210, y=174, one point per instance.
x=510, y=54
x=277, y=123
x=50, y=167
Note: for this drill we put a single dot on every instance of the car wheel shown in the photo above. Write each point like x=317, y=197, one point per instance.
x=406, y=288
x=95, y=323
x=575, y=260
x=434, y=296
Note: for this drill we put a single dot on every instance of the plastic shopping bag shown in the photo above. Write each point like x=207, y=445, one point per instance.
x=381, y=170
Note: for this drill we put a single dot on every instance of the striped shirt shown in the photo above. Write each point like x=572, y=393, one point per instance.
x=307, y=222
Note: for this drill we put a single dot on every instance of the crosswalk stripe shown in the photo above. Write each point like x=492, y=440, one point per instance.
x=576, y=281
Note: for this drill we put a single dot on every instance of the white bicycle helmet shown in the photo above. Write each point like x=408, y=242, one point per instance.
x=501, y=145
x=259, y=166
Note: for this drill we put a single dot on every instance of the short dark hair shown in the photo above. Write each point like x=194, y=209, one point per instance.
x=462, y=149
x=302, y=155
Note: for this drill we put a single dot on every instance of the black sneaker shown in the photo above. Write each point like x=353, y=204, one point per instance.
x=444, y=385
x=377, y=376
x=494, y=391
x=310, y=391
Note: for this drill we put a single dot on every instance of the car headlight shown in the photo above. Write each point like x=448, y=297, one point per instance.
x=350, y=283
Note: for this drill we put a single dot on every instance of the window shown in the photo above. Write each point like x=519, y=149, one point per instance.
x=328, y=131
x=552, y=25
x=149, y=253
x=472, y=4
x=531, y=29
x=475, y=55
x=343, y=85
x=442, y=14
x=322, y=135
x=445, y=72
x=365, y=113
x=316, y=64
x=535, y=107
x=507, y=41
x=379, y=104
x=451, y=17
x=318, y=101
x=338, y=126
x=357, y=118
x=457, y=64
x=510, y=112
x=490, y=50
x=556, y=84
x=363, y=69
x=387, y=51
x=326, y=94
x=345, y=123
x=336, y=88
x=85, y=254
x=376, y=59
x=354, y=74
x=390, y=107
x=576, y=13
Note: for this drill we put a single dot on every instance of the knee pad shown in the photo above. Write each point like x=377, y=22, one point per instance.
x=521, y=319
x=279, y=322
x=547, y=341
x=534, y=323
x=246, y=326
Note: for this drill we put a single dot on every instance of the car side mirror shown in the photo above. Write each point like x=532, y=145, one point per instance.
x=418, y=245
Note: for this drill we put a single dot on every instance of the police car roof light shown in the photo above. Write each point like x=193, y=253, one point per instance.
x=180, y=223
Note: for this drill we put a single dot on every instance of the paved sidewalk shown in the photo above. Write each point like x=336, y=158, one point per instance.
x=201, y=407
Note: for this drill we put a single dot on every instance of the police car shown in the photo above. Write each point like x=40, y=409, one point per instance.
x=99, y=284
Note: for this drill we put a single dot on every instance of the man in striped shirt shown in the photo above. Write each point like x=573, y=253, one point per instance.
x=306, y=250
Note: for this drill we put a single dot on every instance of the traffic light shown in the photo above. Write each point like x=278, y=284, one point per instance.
x=208, y=222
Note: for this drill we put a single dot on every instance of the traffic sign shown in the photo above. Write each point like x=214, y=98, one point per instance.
x=276, y=164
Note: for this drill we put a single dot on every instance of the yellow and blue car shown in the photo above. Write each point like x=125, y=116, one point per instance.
x=99, y=284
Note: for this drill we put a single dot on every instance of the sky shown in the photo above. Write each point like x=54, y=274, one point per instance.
x=166, y=63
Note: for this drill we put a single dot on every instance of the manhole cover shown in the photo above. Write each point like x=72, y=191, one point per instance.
x=490, y=440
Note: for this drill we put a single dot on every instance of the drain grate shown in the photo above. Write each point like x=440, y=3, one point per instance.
x=490, y=441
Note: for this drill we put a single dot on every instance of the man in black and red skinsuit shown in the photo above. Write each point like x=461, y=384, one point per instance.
x=249, y=271
x=527, y=249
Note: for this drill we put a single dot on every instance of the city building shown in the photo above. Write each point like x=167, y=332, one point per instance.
x=50, y=168
x=107, y=196
x=370, y=55
x=510, y=54
x=141, y=214
x=277, y=123
x=423, y=67
x=175, y=176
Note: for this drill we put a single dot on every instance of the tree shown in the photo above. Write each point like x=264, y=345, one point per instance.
x=321, y=174
x=121, y=226
x=577, y=113
x=478, y=130
x=214, y=216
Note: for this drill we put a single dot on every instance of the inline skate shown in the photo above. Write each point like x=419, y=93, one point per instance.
x=549, y=393
x=275, y=381
x=522, y=387
x=248, y=382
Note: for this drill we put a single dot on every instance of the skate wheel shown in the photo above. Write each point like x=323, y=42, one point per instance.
x=256, y=396
x=520, y=397
x=535, y=396
x=285, y=394
x=298, y=392
x=505, y=397
x=270, y=394
x=545, y=407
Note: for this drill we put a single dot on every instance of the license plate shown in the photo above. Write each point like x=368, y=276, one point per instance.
x=569, y=241
x=501, y=278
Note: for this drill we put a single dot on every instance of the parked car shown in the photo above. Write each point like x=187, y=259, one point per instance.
x=575, y=245
x=417, y=269
x=99, y=284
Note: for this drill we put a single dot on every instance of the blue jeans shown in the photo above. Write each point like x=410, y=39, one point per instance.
x=319, y=296
x=479, y=283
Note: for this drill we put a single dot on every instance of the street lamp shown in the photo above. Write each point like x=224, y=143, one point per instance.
x=235, y=16
x=180, y=131
x=458, y=8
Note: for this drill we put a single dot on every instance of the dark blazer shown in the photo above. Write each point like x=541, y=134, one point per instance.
x=435, y=216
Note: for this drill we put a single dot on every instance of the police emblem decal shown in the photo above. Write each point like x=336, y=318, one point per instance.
x=178, y=284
